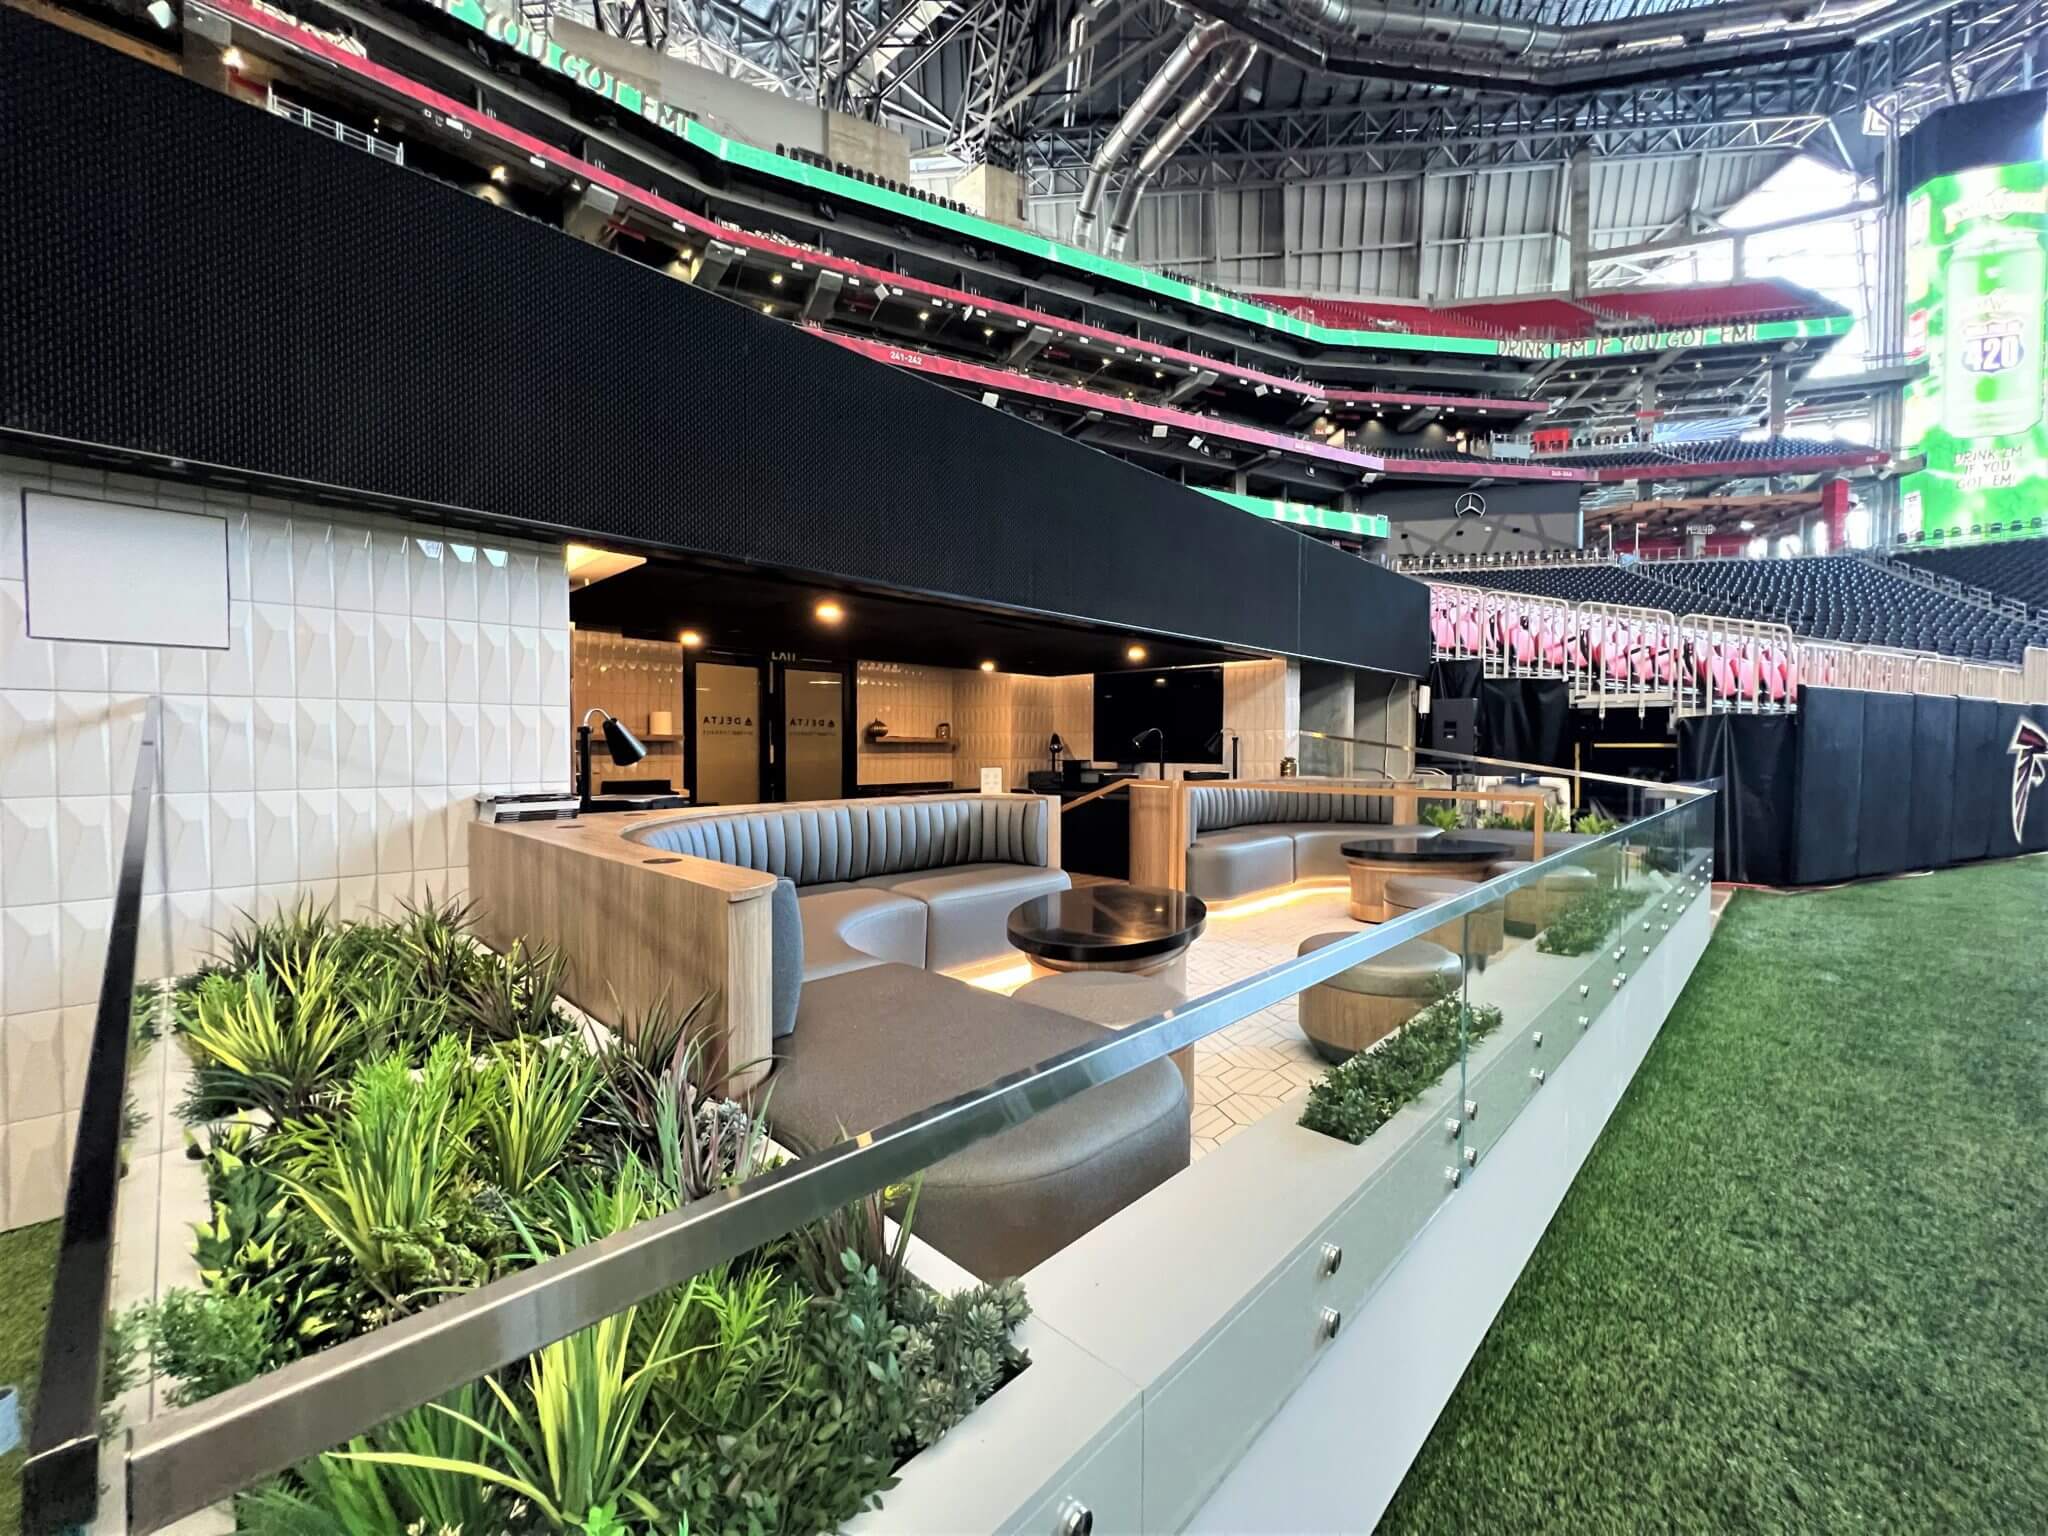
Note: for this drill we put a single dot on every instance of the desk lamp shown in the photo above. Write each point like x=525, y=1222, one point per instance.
x=625, y=749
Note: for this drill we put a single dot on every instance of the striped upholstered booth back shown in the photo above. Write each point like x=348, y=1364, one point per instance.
x=855, y=839
x=1215, y=809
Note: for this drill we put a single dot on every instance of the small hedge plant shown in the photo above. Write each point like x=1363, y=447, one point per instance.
x=1583, y=925
x=1357, y=1097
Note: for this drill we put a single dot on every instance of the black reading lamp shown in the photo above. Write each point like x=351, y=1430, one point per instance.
x=1153, y=730
x=1216, y=746
x=1056, y=746
x=623, y=745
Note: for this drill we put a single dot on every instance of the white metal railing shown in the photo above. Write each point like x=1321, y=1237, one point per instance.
x=354, y=138
x=1740, y=666
x=1613, y=655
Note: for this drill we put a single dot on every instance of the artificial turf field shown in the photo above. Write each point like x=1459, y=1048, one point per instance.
x=1802, y=1283
x=28, y=1259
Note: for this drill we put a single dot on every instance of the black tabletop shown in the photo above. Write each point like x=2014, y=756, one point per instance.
x=1424, y=850
x=1107, y=922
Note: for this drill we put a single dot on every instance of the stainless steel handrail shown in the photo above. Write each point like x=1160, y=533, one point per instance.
x=195, y=1456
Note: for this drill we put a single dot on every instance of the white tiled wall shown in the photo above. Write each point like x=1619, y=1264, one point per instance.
x=381, y=673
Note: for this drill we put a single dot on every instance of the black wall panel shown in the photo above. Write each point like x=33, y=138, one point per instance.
x=1934, y=761
x=1526, y=721
x=1755, y=758
x=188, y=277
x=1982, y=780
x=1883, y=834
x=1829, y=804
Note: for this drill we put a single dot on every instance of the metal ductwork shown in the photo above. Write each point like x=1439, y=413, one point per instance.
x=1377, y=41
x=1202, y=39
x=1224, y=74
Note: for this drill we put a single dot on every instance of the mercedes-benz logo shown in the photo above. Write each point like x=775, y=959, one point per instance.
x=1471, y=504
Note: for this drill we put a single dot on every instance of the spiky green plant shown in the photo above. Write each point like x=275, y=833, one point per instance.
x=531, y=1097
x=576, y=1443
x=858, y=1232
x=1442, y=817
x=381, y=1178
x=512, y=994
x=275, y=1046
x=1593, y=824
x=280, y=944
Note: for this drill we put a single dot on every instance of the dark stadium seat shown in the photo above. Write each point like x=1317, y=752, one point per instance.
x=2017, y=568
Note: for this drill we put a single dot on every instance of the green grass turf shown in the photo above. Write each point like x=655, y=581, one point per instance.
x=28, y=1259
x=1802, y=1283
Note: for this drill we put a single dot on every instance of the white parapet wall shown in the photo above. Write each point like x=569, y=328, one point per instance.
x=1264, y=1342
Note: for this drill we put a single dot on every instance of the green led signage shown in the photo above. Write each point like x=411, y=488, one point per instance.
x=1976, y=280
x=1355, y=525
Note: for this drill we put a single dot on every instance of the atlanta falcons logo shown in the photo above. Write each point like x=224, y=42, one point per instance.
x=2029, y=751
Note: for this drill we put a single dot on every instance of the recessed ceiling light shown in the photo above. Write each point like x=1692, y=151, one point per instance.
x=499, y=175
x=988, y=666
x=1134, y=653
x=233, y=59
x=775, y=279
x=829, y=612
x=691, y=639
x=988, y=330
x=923, y=315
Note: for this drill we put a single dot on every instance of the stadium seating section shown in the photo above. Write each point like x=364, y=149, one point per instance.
x=2017, y=569
x=1840, y=598
x=1630, y=309
x=1672, y=460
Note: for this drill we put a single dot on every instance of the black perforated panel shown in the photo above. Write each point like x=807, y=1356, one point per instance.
x=186, y=276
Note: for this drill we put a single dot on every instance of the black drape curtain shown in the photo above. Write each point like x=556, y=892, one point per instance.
x=1755, y=758
x=1526, y=721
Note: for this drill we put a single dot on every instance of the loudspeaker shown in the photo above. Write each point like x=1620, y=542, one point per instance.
x=1454, y=725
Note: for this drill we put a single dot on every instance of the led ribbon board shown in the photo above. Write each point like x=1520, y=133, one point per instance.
x=1976, y=281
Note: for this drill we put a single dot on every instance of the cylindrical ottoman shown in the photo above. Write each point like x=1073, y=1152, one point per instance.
x=1532, y=908
x=1117, y=999
x=1408, y=893
x=1354, y=1008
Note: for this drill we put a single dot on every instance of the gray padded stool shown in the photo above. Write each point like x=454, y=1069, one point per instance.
x=1533, y=907
x=1354, y=1008
x=1118, y=999
x=1406, y=893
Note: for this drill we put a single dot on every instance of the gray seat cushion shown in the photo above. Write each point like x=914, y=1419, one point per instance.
x=1417, y=968
x=785, y=957
x=1226, y=864
x=1412, y=891
x=969, y=907
x=856, y=927
x=1116, y=999
x=1506, y=867
x=875, y=1045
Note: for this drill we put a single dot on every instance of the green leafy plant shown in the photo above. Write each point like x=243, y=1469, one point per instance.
x=957, y=1351
x=210, y=1340
x=855, y=1239
x=381, y=1178
x=276, y=1046
x=1443, y=817
x=1593, y=824
x=1357, y=1097
x=1584, y=923
x=530, y=1099
x=254, y=1242
x=512, y=995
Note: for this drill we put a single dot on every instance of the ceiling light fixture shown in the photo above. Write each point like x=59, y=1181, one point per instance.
x=988, y=666
x=775, y=279
x=232, y=59
x=691, y=639
x=829, y=612
x=1134, y=653
x=499, y=175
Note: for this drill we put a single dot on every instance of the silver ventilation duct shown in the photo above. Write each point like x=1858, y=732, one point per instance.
x=1371, y=40
x=1202, y=39
x=1223, y=76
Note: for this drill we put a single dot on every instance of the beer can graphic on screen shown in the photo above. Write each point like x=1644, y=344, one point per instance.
x=1991, y=386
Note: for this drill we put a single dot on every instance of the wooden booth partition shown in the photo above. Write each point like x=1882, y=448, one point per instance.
x=638, y=927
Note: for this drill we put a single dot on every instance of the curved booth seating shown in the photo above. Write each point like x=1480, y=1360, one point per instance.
x=1355, y=1008
x=1485, y=927
x=872, y=897
x=1242, y=841
x=873, y=1045
x=1116, y=999
x=1530, y=909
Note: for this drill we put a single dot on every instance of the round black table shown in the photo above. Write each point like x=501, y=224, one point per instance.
x=1373, y=861
x=1108, y=928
